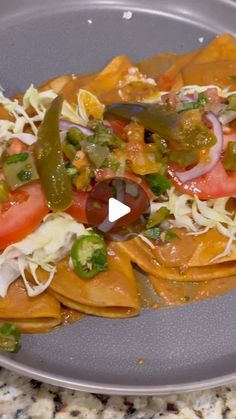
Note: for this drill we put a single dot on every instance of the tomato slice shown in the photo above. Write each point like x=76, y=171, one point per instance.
x=215, y=184
x=117, y=126
x=22, y=214
x=103, y=174
x=78, y=208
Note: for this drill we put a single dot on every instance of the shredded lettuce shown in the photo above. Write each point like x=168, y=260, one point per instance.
x=39, y=101
x=199, y=216
x=43, y=248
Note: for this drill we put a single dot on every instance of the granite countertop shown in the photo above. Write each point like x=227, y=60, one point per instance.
x=22, y=398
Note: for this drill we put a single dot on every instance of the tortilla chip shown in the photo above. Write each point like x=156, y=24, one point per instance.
x=155, y=66
x=71, y=89
x=204, y=66
x=56, y=83
x=172, y=78
x=106, y=84
x=220, y=73
x=222, y=48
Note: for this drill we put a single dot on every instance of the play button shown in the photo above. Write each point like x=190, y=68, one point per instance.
x=116, y=210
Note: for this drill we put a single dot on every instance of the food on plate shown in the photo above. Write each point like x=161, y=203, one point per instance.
x=166, y=124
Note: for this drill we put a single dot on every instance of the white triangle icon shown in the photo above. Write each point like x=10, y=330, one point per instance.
x=116, y=210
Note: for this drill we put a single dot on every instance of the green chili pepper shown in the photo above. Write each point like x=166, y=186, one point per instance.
x=168, y=235
x=229, y=160
x=9, y=338
x=89, y=255
x=69, y=150
x=71, y=170
x=109, y=163
x=4, y=192
x=97, y=153
x=162, y=145
x=74, y=136
x=184, y=158
x=158, y=183
x=185, y=129
x=152, y=233
x=25, y=175
x=49, y=157
x=201, y=101
x=157, y=217
x=102, y=133
x=20, y=170
x=187, y=106
x=16, y=158
x=232, y=102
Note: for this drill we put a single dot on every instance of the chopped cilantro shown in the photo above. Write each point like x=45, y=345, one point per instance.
x=158, y=183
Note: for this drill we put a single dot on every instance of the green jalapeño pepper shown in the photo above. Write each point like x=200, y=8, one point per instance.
x=157, y=217
x=49, y=158
x=89, y=255
x=9, y=338
x=185, y=129
x=229, y=160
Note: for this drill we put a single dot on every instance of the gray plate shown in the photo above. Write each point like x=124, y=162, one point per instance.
x=185, y=348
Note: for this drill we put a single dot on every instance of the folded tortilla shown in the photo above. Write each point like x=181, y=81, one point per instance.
x=195, y=251
x=174, y=293
x=142, y=255
x=112, y=293
x=184, y=251
x=30, y=314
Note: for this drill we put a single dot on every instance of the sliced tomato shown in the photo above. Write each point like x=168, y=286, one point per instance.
x=16, y=147
x=103, y=174
x=98, y=202
x=22, y=214
x=80, y=199
x=215, y=184
x=117, y=126
x=78, y=208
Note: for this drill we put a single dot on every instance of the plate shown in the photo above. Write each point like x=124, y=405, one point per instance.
x=185, y=348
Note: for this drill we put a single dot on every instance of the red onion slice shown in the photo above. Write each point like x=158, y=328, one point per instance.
x=64, y=125
x=214, y=153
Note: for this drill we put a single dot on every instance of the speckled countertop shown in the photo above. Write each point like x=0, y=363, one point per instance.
x=22, y=398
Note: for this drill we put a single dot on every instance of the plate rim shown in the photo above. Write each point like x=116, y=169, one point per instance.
x=113, y=389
